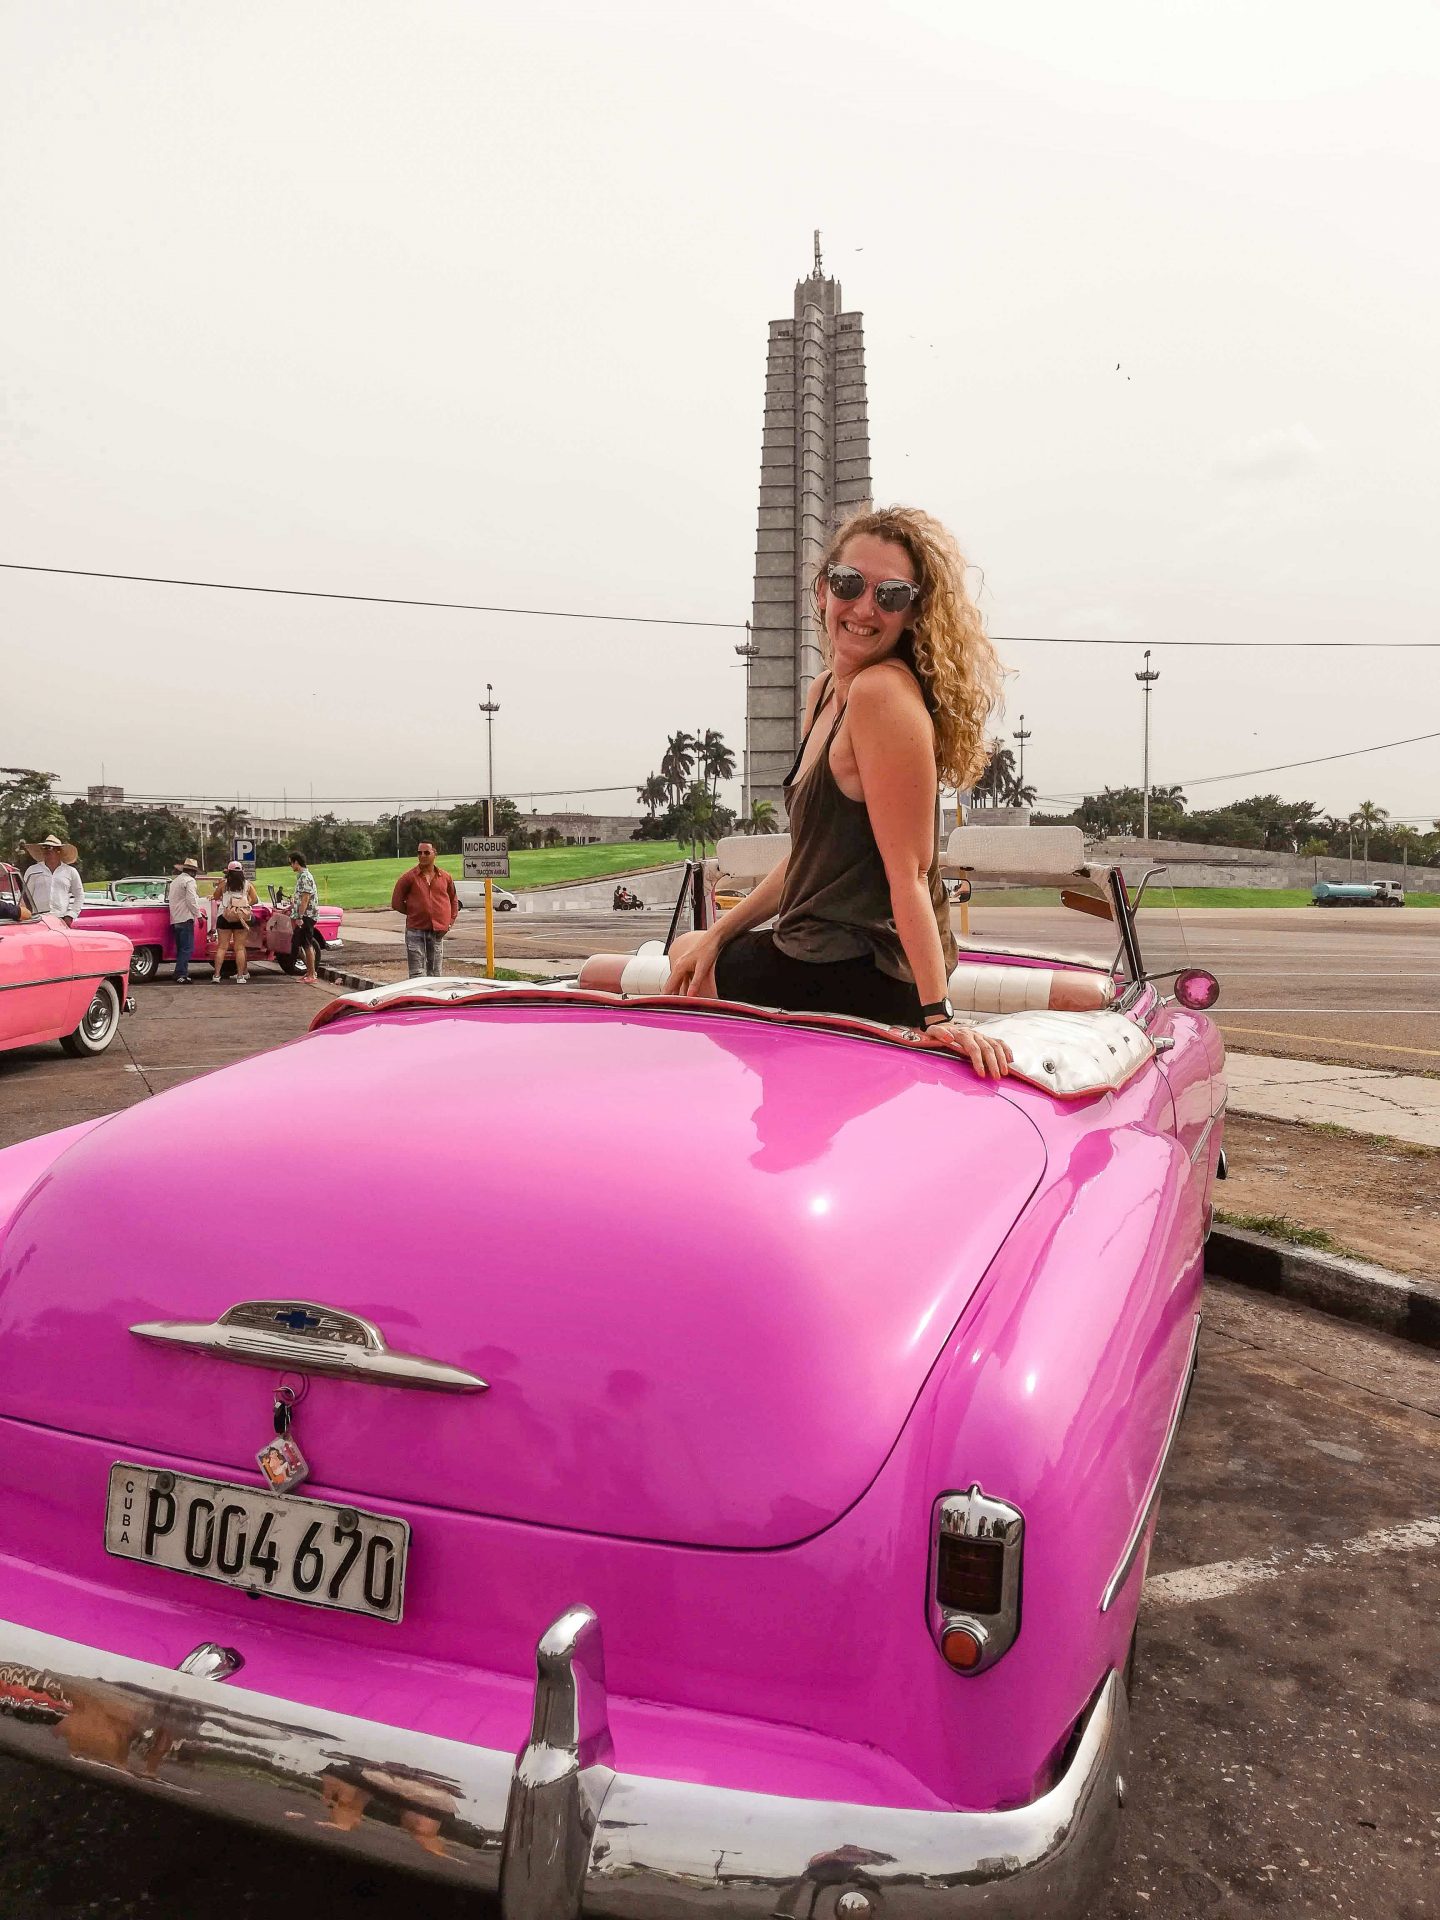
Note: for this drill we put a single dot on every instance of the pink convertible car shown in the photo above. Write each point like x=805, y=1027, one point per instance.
x=718, y=1473
x=137, y=908
x=58, y=982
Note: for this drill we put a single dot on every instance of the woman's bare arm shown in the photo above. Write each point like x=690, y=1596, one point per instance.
x=894, y=746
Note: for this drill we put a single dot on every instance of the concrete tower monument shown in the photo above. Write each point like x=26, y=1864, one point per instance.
x=814, y=473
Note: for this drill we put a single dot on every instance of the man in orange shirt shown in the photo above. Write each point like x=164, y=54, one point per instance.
x=427, y=898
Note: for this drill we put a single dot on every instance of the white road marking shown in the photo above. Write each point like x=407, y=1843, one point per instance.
x=1187, y=1585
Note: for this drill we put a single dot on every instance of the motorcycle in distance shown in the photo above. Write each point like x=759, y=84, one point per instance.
x=627, y=902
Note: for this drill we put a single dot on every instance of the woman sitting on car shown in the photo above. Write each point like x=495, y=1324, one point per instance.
x=861, y=920
x=235, y=899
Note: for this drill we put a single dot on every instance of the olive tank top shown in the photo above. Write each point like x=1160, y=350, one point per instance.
x=836, y=900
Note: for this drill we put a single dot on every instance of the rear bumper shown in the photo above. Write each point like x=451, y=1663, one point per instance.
x=559, y=1832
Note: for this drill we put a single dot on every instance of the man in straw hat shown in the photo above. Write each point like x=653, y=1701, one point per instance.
x=184, y=904
x=52, y=882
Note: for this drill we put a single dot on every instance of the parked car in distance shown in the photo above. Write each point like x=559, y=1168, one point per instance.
x=1359, y=893
x=807, y=1587
x=145, y=886
x=471, y=894
x=145, y=920
x=57, y=982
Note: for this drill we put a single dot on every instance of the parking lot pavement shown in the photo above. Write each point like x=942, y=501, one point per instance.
x=1285, y=1715
x=173, y=1034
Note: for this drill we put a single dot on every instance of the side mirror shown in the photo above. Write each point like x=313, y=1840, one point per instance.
x=1196, y=989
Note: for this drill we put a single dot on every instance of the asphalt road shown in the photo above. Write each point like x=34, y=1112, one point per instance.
x=1359, y=986
x=1286, y=1710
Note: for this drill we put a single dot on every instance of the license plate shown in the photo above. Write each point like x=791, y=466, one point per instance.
x=261, y=1542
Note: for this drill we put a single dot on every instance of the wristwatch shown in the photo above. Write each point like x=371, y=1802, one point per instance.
x=936, y=1012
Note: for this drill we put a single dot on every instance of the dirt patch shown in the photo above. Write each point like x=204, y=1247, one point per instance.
x=1377, y=1199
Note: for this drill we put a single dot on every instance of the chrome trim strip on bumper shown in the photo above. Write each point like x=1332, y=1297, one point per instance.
x=1147, y=1509
x=558, y=1831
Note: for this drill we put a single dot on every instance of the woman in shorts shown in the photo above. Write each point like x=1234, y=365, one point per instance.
x=235, y=899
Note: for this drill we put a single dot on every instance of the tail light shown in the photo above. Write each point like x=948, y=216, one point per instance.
x=975, y=1564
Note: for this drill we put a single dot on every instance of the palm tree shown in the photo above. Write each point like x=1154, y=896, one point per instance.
x=1369, y=819
x=999, y=772
x=715, y=759
x=695, y=823
x=1018, y=793
x=678, y=764
x=653, y=794
x=763, y=818
x=229, y=821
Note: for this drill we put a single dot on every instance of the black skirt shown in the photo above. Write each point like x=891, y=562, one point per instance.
x=753, y=969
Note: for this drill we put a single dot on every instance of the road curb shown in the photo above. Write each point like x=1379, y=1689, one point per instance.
x=1395, y=1303
x=340, y=977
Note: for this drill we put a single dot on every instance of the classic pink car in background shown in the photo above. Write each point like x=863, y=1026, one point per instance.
x=145, y=920
x=58, y=982
x=830, y=1383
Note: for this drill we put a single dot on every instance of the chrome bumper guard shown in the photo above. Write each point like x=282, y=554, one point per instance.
x=558, y=1830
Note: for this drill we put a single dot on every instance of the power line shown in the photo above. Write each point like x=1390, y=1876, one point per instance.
x=1320, y=759
x=371, y=599
x=1059, y=640
x=654, y=619
x=353, y=799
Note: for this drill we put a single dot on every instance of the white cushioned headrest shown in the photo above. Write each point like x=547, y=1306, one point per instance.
x=1040, y=852
x=750, y=856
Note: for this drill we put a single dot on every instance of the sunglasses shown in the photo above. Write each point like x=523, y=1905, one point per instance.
x=891, y=596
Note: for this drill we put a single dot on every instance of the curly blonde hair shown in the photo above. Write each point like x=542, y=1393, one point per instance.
x=958, y=669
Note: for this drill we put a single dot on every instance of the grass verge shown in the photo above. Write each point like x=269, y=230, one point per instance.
x=1278, y=1226
x=369, y=883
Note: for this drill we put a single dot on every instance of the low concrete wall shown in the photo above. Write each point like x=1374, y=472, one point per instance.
x=1193, y=864
x=656, y=886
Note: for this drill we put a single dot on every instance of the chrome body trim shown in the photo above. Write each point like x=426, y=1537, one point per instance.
x=59, y=980
x=976, y=1516
x=1132, y=1546
x=1205, y=1132
x=211, y=1661
x=307, y=1338
x=560, y=1832
x=561, y=1778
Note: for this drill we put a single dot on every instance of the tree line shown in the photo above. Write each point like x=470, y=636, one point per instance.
x=1264, y=821
x=114, y=841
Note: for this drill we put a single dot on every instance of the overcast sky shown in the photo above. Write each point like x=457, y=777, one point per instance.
x=469, y=302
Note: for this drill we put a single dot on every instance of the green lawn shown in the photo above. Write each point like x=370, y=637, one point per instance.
x=369, y=883
x=1158, y=892
x=1158, y=897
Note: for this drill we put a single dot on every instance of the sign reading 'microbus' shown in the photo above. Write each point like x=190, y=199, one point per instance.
x=485, y=857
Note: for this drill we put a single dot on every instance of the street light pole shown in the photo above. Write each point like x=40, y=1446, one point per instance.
x=1022, y=735
x=490, y=706
x=1147, y=679
x=747, y=651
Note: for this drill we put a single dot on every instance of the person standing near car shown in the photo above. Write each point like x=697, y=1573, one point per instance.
x=184, y=903
x=304, y=911
x=426, y=895
x=235, y=898
x=51, y=881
